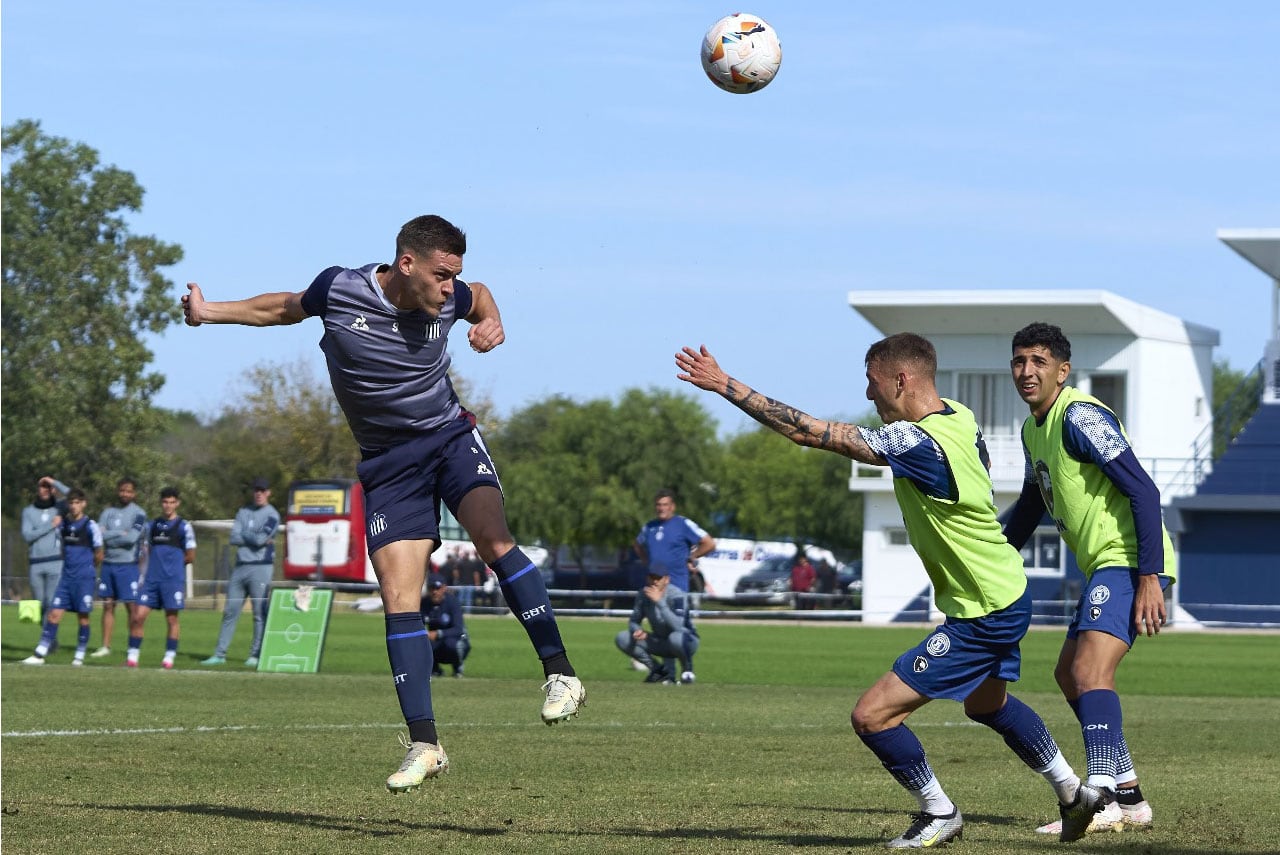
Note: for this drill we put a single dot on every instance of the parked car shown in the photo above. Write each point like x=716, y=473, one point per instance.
x=769, y=582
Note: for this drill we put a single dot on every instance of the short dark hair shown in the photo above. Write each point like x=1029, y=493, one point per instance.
x=424, y=235
x=905, y=348
x=170, y=493
x=1040, y=334
x=665, y=493
x=76, y=493
x=132, y=483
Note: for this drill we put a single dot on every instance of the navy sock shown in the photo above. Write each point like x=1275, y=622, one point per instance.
x=1023, y=731
x=1101, y=722
x=526, y=596
x=49, y=634
x=901, y=753
x=409, y=652
x=82, y=638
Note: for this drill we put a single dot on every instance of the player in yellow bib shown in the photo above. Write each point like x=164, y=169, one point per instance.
x=940, y=468
x=1082, y=470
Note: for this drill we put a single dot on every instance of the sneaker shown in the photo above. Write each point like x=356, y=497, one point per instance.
x=215, y=659
x=687, y=677
x=130, y=663
x=1092, y=807
x=251, y=662
x=1137, y=816
x=423, y=761
x=167, y=664
x=928, y=830
x=100, y=652
x=1105, y=821
x=77, y=662
x=658, y=675
x=637, y=665
x=565, y=696
x=33, y=660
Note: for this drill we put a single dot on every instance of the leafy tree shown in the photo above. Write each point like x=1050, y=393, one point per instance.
x=80, y=290
x=773, y=489
x=1236, y=397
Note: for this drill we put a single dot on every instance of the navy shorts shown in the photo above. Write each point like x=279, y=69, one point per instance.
x=118, y=582
x=163, y=591
x=404, y=486
x=1107, y=604
x=74, y=593
x=957, y=656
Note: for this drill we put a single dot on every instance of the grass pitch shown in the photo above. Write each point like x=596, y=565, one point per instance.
x=757, y=757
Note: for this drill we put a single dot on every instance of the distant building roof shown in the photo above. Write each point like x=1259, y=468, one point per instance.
x=1078, y=312
x=1260, y=247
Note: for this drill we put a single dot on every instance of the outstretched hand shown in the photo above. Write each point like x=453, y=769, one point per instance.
x=193, y=305
x=486, y=335
x=700, y=368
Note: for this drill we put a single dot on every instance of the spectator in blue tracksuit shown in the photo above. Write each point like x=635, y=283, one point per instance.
x=41, y=522
x=253, y=534
x=670, y=634
x=442, y=615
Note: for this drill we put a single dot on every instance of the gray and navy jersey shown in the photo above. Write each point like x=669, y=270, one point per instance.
x=80, y=540
x=254, y=534
x=122, y=533
x=912, y=454
x=170, y=540
x=389, y=368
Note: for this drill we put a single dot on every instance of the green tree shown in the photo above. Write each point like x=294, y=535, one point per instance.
x=80, y=290
x=1236, y=397
x=773, y=489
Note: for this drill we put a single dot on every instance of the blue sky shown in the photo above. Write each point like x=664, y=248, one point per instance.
x=620, y=206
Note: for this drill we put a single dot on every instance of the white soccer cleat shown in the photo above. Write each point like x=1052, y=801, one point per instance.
x=1136, y=816
x=33, y=660
x=565, y=696
x=100, y=652
x=1094, y=810
x=423, y=761
x=77, y=662
x=927, y=831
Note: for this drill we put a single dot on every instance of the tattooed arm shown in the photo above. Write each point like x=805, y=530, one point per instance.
x=700, y=368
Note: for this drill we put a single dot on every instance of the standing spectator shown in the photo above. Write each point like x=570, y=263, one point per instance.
x=671, y=543
x=253, y=533
x=1081, y=468
x=939, y=462
x=386, y=330
x=122, y=527
x=827, y=581
x=803, y=579
x=670, y=634
x=82, y=553
x=172, y=543
x=442, y=615
x=41, y=529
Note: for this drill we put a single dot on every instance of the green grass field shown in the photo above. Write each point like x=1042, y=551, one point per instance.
x=757, y=757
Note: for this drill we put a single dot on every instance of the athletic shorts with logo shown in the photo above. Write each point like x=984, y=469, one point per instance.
x=1107, y=604
x=958, y=655
x=118, y=582
x=404, y=485
x=74, y=593
x=160, y=591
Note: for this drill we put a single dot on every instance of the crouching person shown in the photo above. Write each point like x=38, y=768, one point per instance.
x=442, y=615
x=671, y=633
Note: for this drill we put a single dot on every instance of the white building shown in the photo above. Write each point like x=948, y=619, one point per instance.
x=1153, y=369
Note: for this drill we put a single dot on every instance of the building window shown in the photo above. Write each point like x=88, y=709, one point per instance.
x=994, y=401
x=1042, y=554
x=1109, y=389
x=896, y=537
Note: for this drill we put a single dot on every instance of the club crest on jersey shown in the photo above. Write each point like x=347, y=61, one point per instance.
x=1099, y=595
x=939, y=644
x=921, y=664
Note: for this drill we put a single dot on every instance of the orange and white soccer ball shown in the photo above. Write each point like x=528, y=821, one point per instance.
x=741, y=53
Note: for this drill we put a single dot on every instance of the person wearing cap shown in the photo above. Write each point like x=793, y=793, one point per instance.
x=670, y=634
x=42, y=530
x=442, y=615
x=253, y=534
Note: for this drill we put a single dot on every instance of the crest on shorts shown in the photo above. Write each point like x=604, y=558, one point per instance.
x=938, y=644
x=921, y=664
x=1095, y=613
x=1099, y=595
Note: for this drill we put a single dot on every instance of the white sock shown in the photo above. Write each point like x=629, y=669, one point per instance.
x=933, y=800
x=132, y=655
x=1062, y=778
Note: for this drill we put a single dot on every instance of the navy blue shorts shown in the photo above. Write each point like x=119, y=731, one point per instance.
x=404, y=486
x=166, y=591
x=1107, y=604
x=118, y=582
x=957, y=656
x=74, y=593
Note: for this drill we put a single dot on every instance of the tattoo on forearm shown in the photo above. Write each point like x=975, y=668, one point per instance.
x=798, y=426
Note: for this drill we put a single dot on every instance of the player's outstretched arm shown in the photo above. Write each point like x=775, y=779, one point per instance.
x=486, y=331
x=700, y=368
x=265, y=310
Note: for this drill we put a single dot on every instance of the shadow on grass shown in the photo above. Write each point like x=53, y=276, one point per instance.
x=360, y=825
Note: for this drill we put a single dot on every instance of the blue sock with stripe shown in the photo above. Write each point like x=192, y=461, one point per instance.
x=526, y=596
x=409, y=652
x=900, y=752
x=1023, y=731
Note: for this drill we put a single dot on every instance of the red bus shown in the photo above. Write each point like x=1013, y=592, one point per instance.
x=324, y=536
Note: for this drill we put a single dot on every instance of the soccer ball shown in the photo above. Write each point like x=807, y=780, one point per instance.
x=741, y=53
